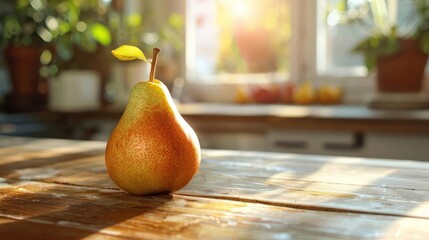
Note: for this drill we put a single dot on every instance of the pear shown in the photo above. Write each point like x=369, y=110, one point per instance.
x=152, y=149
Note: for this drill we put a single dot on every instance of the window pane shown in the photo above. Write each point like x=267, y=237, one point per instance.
x=336, y=38
x=240, y=36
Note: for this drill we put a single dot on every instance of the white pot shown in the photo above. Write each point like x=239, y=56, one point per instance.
x=75, y=90
x=125, y=76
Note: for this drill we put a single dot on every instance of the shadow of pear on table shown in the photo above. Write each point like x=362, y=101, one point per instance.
x=49, y=211
x=38, y=201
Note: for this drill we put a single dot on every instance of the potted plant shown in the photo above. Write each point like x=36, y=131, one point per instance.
x=24, y=34
x=397, y=53
x=80, y=53
x=72, y=33
x=253, y=21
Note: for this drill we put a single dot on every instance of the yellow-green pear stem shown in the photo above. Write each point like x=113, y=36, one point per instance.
x=153, y=64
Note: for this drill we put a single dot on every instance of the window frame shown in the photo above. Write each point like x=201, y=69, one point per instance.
x=358, y=88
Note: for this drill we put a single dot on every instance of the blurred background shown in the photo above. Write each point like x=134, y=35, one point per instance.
x=337, y=77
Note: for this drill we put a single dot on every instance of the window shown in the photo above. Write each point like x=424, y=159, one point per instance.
x=335, y=39
x=310, y=44
x=238, y=38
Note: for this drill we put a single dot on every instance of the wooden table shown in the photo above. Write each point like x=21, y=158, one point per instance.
x=59, y=189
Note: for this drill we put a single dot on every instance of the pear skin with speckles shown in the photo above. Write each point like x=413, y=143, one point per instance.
x=152, y=149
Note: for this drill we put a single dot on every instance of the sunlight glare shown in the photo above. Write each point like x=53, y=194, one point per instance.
x=422, y=210
x=331, y=181
x=414, y=227
x=240, y=8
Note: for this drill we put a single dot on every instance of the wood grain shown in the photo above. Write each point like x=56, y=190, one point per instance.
x=53, y=211
x=59, y=189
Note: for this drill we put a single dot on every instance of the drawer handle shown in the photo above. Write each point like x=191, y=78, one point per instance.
x=357, y=143
x=290, y=144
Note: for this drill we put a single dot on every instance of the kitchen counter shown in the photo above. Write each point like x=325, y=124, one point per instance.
x=300, y=111
x=343, y=117
x=326, y=130
x=59, y=189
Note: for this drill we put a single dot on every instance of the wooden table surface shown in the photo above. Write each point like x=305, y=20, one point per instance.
x=59, y=189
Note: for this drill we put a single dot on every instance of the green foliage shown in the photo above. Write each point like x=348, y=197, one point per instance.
x=23, y=24
x=83, y=29
x=143, y=30
x=377, y=45
x=101, y=34
x=76, y=30
x=38, y=22
x=70, y=27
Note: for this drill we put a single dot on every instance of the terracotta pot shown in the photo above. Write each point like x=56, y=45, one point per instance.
x=402, y=72
x=24, y=65
x=256, y=48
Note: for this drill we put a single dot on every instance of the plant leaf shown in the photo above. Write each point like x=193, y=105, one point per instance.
x=101, y=34
x=128, y=53
x=134, y=20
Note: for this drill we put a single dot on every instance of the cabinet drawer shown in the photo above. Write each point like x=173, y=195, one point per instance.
x=315, y=142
